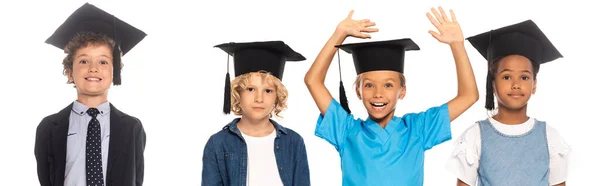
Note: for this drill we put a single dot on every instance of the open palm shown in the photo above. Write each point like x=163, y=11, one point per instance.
x=449, y=29
x=357, y=28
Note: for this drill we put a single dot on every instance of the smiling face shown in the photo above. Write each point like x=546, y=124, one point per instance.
x=89, y=63
x=380, y=91
x=92, y=70
x=514, y=82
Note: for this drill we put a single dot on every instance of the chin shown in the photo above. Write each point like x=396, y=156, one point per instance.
x=514, y=106
x=378, y=115
x=256, y=116
x=90, y=93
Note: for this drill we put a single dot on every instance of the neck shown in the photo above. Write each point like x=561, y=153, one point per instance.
x=255, y=127
x=91, y=101
x=511, y=116
x=384, y=120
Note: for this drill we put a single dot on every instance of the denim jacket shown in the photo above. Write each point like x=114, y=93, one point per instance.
x=224, y=162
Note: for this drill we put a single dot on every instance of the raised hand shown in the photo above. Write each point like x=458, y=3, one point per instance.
x=449, y=29
x=356, y=28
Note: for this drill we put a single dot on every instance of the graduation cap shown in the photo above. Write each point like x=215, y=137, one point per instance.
x=269, y=56
x=524, y=39
x=89, y=18
x=377, y=55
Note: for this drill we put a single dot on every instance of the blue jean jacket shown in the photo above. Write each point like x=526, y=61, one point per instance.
x=224, y=162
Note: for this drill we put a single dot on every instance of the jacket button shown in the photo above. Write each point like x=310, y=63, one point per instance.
x=277, y=147
x=280, y=168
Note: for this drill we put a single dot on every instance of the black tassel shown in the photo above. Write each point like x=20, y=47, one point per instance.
x=227, y=95
x=489, y=93
x=343, y=99
x=489, y=89
x=116, y=66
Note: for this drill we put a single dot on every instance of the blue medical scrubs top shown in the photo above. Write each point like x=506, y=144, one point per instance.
x=394, y=155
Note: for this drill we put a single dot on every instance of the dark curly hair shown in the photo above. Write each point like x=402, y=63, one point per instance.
x=81, y=40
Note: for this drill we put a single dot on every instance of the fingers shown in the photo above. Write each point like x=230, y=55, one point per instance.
x=370, y=30
x=433, y=21
x=350, y=14
x=453, y=16
x=435, y=35
x=367, y=24
x=437, y=16
x=443, y=14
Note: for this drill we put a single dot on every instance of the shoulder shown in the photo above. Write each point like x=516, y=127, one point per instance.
x=556, y=142
x=221, y=135
x=46, y=123
x=550, y=130
x=470, y=137
x=472, y=131
x=551, y=133
x=428, y=111
x=126, y=119
x=293, y=135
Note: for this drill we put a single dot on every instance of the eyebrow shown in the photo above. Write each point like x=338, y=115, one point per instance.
x=263, y=87
x=509, y=70
x=388, y=79
x=80, y=55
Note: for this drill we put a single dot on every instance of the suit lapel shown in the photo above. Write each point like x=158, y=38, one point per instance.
x=117, y=134
x=59, y=142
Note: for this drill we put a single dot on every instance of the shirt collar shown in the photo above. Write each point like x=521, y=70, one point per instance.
x=232, y=126
x=81, y=109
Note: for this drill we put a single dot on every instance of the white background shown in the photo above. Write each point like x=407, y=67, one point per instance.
x=173, y=80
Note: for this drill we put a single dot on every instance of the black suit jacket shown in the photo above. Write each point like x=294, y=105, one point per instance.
x=125, y=165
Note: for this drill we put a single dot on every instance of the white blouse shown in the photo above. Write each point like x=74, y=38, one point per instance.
x=464, y=161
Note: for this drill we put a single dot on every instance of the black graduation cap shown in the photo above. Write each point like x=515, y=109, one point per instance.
x=89, y=18
x=524, y=38
x=376, y=55
x=269, y=56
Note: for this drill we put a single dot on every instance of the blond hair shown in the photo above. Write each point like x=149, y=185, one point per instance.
x=358, y=80
x=241, y=82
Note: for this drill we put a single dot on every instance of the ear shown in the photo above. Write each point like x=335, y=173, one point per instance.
x=357, y=87
x=534, y=86
x=69, y=76
x=402, y=93
x=494, y=88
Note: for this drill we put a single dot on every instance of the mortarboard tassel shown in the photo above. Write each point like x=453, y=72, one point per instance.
x=489, y=89
x=116, y=56
x=116, y=66
x=343, y=98
x=489, y=93
x=227, y=95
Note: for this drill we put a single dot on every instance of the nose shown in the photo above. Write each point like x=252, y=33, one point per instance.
x=516, y=86
x=93, y=68
x=378, y=93
x=258, y=98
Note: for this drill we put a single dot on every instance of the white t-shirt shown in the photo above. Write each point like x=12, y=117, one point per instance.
x=464, y=161
x=262, y=165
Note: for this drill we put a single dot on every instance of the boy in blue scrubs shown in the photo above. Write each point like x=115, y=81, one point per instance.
x=385, y=149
